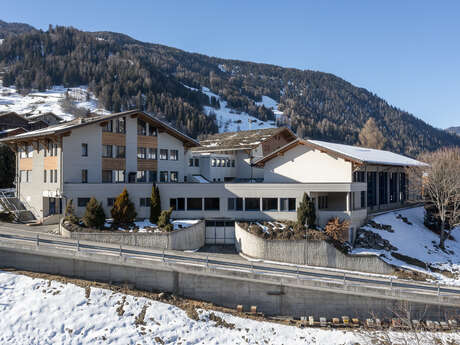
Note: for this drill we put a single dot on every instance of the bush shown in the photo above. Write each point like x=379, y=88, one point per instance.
x=123, y=211
x=94, y=215
x=155, y=205
x=337, y=230
x=164, y=220
x=70, y=213
x=6, y=217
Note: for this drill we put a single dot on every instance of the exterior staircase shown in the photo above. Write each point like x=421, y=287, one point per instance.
x=14, y=205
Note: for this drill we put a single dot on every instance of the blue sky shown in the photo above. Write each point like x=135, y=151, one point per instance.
x=407, y=52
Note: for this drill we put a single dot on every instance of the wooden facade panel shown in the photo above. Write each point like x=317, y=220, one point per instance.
x=147, y=141
x=109, y=138
x=147, y=164
x=274, y=143
x=50, y=163
x=25, y=163
x=113, y=164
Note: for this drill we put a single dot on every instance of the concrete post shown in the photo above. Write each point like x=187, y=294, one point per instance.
x=348, y=201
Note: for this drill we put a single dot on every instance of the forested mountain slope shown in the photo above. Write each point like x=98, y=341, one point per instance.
x=125, y=73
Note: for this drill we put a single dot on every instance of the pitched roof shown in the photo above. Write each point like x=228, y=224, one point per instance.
x=355, y=154
x=81, y=122
x=242, y=140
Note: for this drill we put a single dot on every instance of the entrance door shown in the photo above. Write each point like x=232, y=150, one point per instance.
x=52, y=205
x=220, y=232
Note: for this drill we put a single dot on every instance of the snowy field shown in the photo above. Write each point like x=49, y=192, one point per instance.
x=417, y=242
x=38, y=311
x=36, y=103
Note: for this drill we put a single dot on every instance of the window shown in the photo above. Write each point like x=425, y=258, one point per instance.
x=151, y=153
x=363, y=201
x=119, y=176
x=44, y=176
x=108, y=127
x=190, y=162
x=287, y=204
x=144, y=202
x=120, y=151
x=25, y=176
x=218, y=163
x=235, y=204
x=194, y=204
x=164, y=154
x=141, y=153
x=141, y=127
x=84, y=150
x=107, y=151
x=252, y=204
x=197, y=162
x=177, y=204
x=132, y=177
x=270, y=204
x=107, y=176
x=51, y=176
x=358, y=176
x=55, y=148
x=322, y=202
x=383, y=187
x=174, y=176
x=141, y=176
x=371, y=188
x=81, y=202
x=228, y=163
x=110, y=202
x=121, y=125
x=163, y=176
x=152, y=131
x=211, y=204
x=84, y=176
x=174, y=155
x=213, y=162
x=152, y=176
x=233, y=163
x=55, y=176
x=393, y=187
x=402, y=187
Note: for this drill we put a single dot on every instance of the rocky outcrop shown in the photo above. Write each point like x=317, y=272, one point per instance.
x=368, y=239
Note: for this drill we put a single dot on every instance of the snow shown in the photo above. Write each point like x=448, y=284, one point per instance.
x=416, y=241
x=37, y=311
x=222, y=68
x=146, y=226
x=1, y=41
x=36, y=103
x=270, y=103
x=369, y=155
x=228, y=120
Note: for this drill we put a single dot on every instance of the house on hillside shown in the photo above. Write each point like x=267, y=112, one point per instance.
x=251, y=175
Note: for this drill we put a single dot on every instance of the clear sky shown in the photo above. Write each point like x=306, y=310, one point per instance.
x=407, y=52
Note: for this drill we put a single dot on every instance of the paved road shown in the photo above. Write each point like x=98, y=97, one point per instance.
x=23, y=235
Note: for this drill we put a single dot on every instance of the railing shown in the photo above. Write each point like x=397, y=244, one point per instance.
x=29, y=207
x=10, y=206
x=345, y=279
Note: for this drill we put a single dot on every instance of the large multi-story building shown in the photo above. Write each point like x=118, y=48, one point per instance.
x=250, y=175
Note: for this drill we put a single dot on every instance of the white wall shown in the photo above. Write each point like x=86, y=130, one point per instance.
x=166, y=141
x=303, y=164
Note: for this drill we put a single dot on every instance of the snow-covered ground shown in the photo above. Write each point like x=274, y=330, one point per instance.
x=417, y=242
x=38, y=311
x=36, y=103
x=146, y=226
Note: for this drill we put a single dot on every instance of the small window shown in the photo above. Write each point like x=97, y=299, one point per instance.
x=107, y=151
x=110, y=202
x=152, y=131
x=211, y=204
x=152, y=153
x=164, y=154
x=84, y=150
x=81, y=202
x=322, y=202
x=252, y=204
x=51, y=176
x=144, y=202
x=228, y=163
x=173, y=203
x=194, y=204
x=270, y=204
x=108, y=127
x=141, y=153
x=163, y=176
x=141, y=176
x=119, y=176
x=190, y=162
x=152, y=176
x=174, y=176
x=233, y=163
x=121, y=151
x=121, y=125
x=44, y=176
x=174, y=155
x=107, y=176
x=55, y=175
x=84, y=176
x=141, y=127
x=218, y=163
x=197, y=162
x=363, y=195
x=213, y=162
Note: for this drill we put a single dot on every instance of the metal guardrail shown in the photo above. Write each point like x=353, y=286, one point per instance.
x=393, y=284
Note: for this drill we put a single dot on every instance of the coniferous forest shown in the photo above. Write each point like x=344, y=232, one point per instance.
x=125, y=73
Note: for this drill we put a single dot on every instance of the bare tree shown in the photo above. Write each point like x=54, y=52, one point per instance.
x=439, y=183
x=371, y=136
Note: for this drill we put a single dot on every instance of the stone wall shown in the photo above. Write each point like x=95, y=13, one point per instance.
x=307, y=252
x=189, y=238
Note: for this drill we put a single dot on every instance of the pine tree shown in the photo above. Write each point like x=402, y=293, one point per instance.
x=302, y=210
x=311, y=214
x=94, y=215
x=164, y=220
x=370, y=136
x=70, y=213
x=123, y=211
x=7, y=168
x=155, y=205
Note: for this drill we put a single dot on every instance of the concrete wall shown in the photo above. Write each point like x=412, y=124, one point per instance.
x=304, y=252
x=189, y=238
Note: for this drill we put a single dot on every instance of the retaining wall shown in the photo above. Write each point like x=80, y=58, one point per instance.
x=306, y=252
x=189, y=238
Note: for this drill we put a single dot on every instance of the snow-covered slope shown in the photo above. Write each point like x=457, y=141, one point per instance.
x=36, y=311
x=417, y=242
x=36, y=103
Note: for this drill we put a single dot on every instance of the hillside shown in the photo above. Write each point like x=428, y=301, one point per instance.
x=200, y=94
x=14, y=28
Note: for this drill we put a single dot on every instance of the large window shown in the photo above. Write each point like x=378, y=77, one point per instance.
x=151, y=153
x=120, y=152
x=174, y=176
x=270, y=204
x=163, y=176
x=164, y=154
x=252, y=204
x=84, y=176
x=81, y=202
x=393, y=187
x=322, y=202
x=84, y=150
x=119, y=176
x=211, y=204
x=235, y=204
x=371, y=188
x=177, y=204
x=358, y=176
x=383, y=187
x=141, y=153
x=121, y=125
x=107, y=176
x=141, y=176
x=174, y=155
x=108, y=126
x=194, y=204
x=141, y=127
x=107, y=151
x=287, y=204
